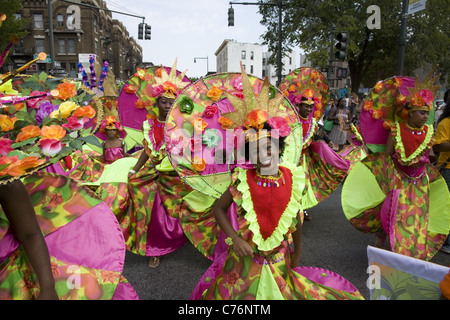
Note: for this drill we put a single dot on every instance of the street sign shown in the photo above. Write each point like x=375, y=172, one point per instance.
x=416, y=5
x=58, y=72
x=46, y=60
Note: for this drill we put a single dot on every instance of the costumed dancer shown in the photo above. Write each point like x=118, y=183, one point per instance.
x=88, y=165
x=83, y=249
x=395, y=192
x=307, y=89
x=356, y=151
x=147, y=202
x=259, y=263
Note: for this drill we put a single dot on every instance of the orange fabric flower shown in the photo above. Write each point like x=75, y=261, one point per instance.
x=378, y=87
x=256, y=118
x=377, y=114
x=215, y=93
x=199, y=164
x=308, y=93
x=199, y=125
x=53, y=132
x=368, y=105
x=21, y=167
x=317, y=114
x=291, y=88
x=129, y=89
x=225, y=122
x=139, y=104
x=66, y=90
x=7, y=123
x=28, y=132
x=85, y=111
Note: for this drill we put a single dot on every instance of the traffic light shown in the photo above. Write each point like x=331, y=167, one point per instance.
x=141, y=31
x=341, y=45
x=148, y=32
x=231, y=17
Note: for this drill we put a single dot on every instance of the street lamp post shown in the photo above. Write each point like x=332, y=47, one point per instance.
x=279, y=4
x=207, y=62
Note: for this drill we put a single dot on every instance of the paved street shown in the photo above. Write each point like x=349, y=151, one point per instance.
x=329, y=241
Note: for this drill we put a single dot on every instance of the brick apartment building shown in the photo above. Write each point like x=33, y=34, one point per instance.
x=78, y=30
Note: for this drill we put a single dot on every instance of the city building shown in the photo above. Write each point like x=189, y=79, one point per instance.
x=289, y=64
x=78, y=31
x=255, y=60
x=231, y=53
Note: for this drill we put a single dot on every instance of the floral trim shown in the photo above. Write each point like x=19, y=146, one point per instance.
x=149, y=136
x=416, y=155
x=287, y=217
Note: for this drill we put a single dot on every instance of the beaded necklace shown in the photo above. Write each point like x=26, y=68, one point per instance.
x=269, y=181
x=418, y=131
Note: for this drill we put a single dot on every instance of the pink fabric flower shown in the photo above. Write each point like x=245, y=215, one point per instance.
x=237, y=83
x=281, y=125
x=426, y=95
x=5, y=146
x=210, y=111
x=51, y=147
x=158, y=91
x=74, y=123
x=34, y=103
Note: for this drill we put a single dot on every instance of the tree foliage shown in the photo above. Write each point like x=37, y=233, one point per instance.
x=372, y=53
x=11, y=26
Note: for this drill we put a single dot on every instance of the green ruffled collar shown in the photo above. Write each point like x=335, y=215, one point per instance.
x=287, y=217
x=416, y=155
x=147, y=128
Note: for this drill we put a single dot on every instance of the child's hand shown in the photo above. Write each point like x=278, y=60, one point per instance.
x=241, y=247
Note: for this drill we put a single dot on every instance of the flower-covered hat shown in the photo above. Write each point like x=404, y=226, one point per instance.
x=212, y=119
x=110, y=123
x=307, y=85
x=41, y=121
x=390, y=101
x=137, y=99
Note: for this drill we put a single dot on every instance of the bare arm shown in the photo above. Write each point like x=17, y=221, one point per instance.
x=442, y=147
x=389, y=145
x=297, y=237
x=240, y=246
x=19, y=210
x=141, y=161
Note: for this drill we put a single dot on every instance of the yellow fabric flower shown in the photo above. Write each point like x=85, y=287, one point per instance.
x=65, y=108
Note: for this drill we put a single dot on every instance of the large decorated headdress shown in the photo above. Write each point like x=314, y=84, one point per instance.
x=211, y=120
x=307, y=85
x=137, y=99
x=41, y=121
x=390, y=101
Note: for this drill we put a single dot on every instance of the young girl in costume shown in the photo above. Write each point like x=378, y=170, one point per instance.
x=259, y=263
x=114, y=146
x=147, y=205
x=325, y=170
x=395, y=192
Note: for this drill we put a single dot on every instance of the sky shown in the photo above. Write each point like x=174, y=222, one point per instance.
x=188, y=29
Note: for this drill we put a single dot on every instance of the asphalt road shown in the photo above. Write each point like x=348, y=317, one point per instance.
x=329, y=241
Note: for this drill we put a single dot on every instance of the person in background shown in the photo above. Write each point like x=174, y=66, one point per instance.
x=442, y=145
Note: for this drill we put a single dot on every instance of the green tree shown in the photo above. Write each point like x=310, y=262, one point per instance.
x=11, y=26
x=372, y=53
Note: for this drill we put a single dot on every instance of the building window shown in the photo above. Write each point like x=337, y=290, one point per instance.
x=59, y=21
x=96, y=47
x=251, y=69
x=71, y=46
x=95, y=24
x=41, y=67
x=243, y=54
x=251, y=55
x=38, y=19
x=61, y=46
x=40, y=45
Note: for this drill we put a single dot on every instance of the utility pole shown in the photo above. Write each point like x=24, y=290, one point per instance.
x=280, y=31
x=50, y=31
x=402, y=39
x=330, y=61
